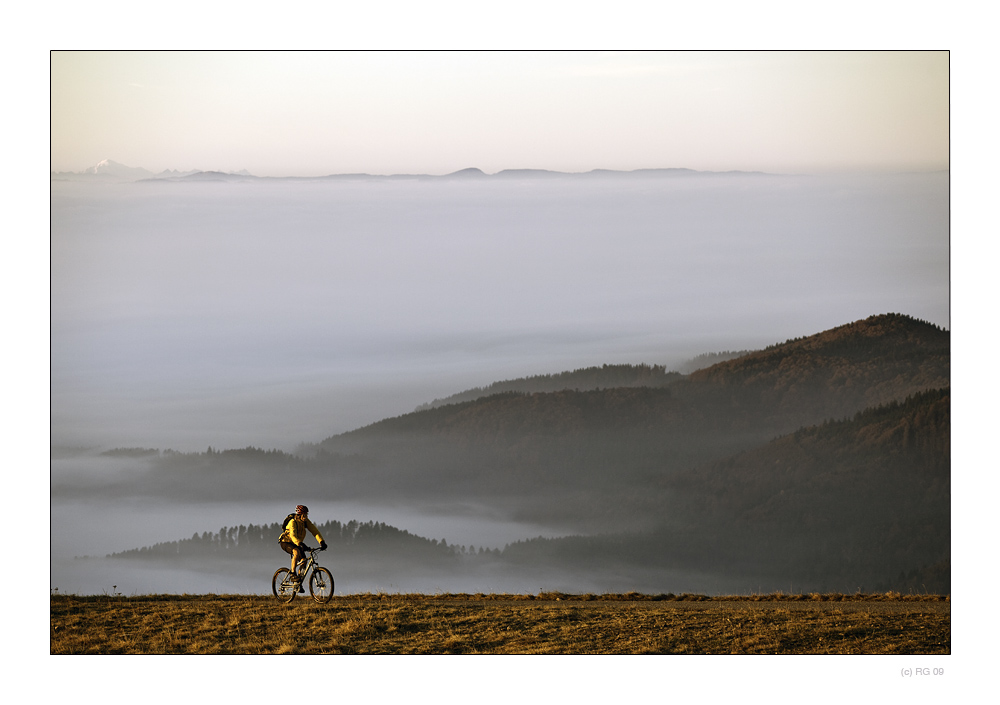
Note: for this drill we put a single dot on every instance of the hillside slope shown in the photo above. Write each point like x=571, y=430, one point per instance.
x=834, y=373
x=575, y=454
x=858, y=502
x=584, y=379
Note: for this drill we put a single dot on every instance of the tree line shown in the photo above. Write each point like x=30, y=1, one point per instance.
x=261, y=540
x=581, y=379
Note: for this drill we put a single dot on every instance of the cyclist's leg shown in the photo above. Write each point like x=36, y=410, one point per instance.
x=293, y=551
x=298, y=558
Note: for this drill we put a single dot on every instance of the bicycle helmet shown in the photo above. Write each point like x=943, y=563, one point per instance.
x=301, y=509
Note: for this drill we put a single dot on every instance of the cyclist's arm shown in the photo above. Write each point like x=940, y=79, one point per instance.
x=315, y=532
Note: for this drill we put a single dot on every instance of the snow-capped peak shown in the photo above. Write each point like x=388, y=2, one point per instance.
x=113, y=168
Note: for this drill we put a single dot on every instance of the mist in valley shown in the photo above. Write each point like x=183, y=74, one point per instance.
x=274, y=313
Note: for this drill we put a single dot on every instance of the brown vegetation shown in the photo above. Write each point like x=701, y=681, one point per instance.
x=550, y=623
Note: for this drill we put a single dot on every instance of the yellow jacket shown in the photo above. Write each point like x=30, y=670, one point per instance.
x=295, y=530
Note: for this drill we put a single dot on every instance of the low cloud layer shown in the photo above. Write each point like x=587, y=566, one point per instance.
x=271, y=313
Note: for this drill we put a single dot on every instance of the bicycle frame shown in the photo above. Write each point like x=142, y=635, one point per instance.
x=321, y=578
x=309, y=562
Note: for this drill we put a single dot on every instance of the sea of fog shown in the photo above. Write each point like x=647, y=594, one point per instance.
x=268, y=313
x=84, y=532
x=97, y=525
x=275, y=312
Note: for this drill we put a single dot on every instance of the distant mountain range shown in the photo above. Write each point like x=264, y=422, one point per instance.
x=111, y=171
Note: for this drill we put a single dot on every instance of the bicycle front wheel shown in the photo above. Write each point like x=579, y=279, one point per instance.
x=321, y=585
x=282, y=586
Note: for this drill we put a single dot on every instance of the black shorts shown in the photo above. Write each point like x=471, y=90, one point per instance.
x=288, y=547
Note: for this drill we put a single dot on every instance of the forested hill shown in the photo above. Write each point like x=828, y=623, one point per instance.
x=253, y=540
x=607, y=444
x=866, y=499
x=861, y=501
x=881, y=476
x=589, y=378
x=580, y=380
x=801, y=382
x=861, y=364
x=873, y=341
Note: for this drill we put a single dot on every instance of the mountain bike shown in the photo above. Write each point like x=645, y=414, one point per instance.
x=285, y=584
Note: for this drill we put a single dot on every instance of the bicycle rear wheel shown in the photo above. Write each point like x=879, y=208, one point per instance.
x=282, y=585
x=321, y=585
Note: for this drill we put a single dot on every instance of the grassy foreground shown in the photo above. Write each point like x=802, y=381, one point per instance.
x=549, y=623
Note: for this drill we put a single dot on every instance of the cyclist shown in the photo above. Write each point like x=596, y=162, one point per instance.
x=292, y=539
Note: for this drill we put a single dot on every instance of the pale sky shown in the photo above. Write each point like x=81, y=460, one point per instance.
x=310, y=114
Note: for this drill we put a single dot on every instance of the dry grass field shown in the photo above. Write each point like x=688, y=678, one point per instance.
x=547, y=623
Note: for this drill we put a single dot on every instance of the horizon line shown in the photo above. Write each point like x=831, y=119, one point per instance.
x=468, y=172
